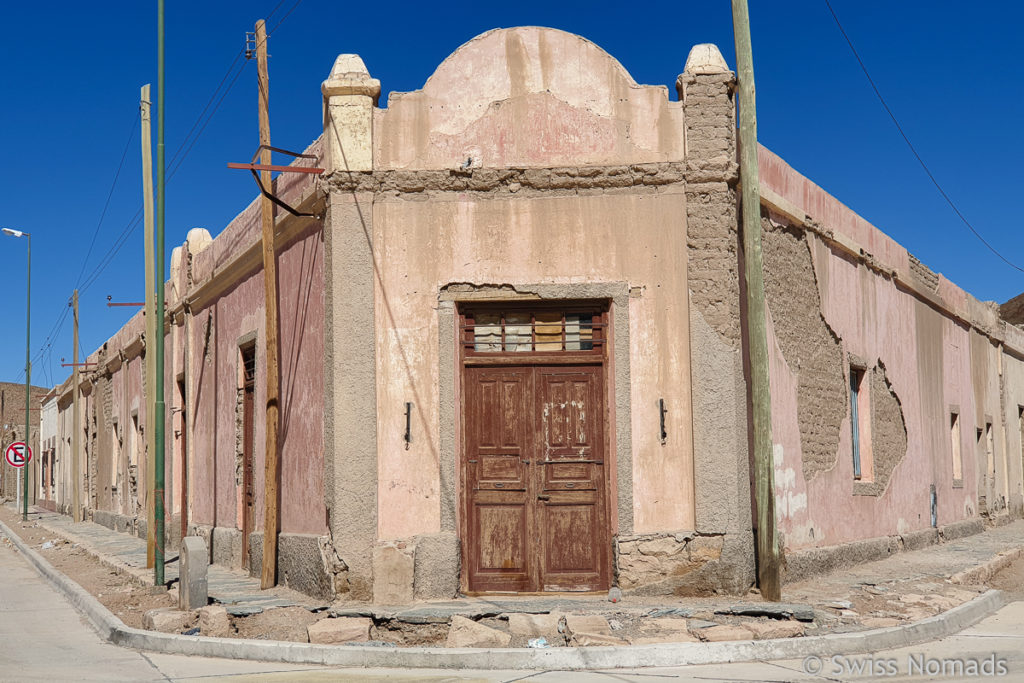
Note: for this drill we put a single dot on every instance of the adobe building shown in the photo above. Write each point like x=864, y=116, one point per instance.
x=512, y=356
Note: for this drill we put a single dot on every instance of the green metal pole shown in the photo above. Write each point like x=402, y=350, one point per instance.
x=28, y=375
x=158, y=413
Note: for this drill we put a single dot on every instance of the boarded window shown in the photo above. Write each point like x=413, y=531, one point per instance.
x=541, y=330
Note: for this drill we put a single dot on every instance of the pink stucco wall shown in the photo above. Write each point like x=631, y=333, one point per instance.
x=934, y=360
x=215, y=485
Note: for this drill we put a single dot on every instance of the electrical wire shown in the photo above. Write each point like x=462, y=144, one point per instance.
x=906, y=139
x=110, y=193
x=186, y=145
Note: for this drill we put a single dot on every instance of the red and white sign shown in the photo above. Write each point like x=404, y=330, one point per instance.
x=18, y=454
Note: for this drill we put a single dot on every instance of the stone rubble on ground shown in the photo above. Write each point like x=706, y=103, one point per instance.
x=214, y=622
x=167, y=620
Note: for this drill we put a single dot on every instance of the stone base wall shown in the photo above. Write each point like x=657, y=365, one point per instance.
x=803, y=564
x=424, y=567
x=682, y=563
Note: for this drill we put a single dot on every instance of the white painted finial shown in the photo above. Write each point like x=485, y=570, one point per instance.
x=705, y=58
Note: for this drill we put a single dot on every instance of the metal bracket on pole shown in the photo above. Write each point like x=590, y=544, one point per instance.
x=253, y=167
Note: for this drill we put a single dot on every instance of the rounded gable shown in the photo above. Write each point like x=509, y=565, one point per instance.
x=528, y=96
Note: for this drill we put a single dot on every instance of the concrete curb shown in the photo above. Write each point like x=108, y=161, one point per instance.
x=617, y=657
x=984, y=572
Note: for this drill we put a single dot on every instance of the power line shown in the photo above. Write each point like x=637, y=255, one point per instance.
x=911, y=146
x=106, y=204
x=185, y=145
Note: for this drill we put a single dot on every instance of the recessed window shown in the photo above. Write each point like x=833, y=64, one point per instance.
x=533, y=331
x=860, y=426
x=954, y=435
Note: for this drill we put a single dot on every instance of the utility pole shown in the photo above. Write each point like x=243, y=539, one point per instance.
x=151, y=327
x=76, y=425
x=158, y=345
x=768, y=559
x=270, y=513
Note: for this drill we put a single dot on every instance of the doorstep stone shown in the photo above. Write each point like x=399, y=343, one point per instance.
x=333, y=631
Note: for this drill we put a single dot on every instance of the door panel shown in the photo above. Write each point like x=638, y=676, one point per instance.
x=571, y=525
x=534, y=478
x=497, y=478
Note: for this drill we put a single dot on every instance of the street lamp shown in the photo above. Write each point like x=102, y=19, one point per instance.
x=28, y=363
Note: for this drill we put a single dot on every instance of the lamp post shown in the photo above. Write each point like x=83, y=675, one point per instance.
x=28, y=363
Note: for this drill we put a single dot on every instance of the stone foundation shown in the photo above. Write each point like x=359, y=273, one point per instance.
x=810, y=562
x=680, y=563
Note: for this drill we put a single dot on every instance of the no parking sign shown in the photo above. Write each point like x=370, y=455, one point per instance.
x=18, y=454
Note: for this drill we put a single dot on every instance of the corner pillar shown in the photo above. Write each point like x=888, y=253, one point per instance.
x=719, y=387
x=350, y=386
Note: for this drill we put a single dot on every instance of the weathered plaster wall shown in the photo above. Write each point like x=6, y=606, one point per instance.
x=217, y=330
x=570, y=240
x=927, y=348
x=525, y=98
x=1013, y=419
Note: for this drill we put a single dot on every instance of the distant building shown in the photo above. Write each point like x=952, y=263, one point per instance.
x=12, y=428
x=512, y=354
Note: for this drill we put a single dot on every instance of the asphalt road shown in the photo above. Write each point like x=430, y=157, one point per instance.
x=43, y=638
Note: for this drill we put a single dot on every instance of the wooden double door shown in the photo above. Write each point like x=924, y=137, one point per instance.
x=535, y=479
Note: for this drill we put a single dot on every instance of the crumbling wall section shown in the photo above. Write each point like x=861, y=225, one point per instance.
x=888, y=432
x=812, y=350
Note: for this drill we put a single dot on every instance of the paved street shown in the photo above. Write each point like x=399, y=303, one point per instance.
x=45, y=639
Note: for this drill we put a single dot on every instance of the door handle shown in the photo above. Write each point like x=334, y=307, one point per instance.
x=543, y=497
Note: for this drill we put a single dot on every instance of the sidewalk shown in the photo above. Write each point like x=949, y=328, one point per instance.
x=237, y=591
x=902, y=589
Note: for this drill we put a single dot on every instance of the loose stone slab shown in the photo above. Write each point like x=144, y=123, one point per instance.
x=717, y=634
x=772, y=610
x=588, y=623
x=468, y=633
x=592, y=639
x=243, y=610
x=340, y=630
x=770, y=630
x=533, y=625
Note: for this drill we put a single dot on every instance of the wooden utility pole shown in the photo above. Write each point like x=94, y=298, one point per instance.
x=76, y=426
x=768, y=556
x=270, y=512
x=151, y=327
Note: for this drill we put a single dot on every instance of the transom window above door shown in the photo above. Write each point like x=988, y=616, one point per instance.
x=488, y=330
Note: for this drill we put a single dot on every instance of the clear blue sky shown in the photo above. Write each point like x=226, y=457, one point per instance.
x=72, y=71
